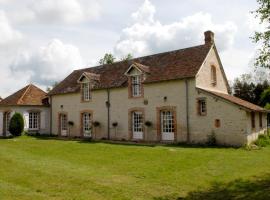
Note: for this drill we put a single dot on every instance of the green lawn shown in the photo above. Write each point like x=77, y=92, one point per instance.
x=32, y=168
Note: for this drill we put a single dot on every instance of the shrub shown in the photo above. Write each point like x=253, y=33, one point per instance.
x=148, y=123
x=70, y=123
x=115, y=124
x=263, y=140
x=211, y=139
x=96, y=123
x=16, y=125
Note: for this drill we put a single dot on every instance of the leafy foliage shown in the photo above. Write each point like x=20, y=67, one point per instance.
x=107, y=59
x=48, y=89
x=110, y=59
x=16, y=125
x=127, y=57
x=263, y=37
x=257, y=93
x=211, y=139
x=263, y=140
x=265, y=97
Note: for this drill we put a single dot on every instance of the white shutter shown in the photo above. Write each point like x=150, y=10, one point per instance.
x=1, y=124
x=26, y=120
x=43, y=120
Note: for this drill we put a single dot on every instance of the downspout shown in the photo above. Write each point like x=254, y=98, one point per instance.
x=50, y=103
x=187, y=111
x=108, y=105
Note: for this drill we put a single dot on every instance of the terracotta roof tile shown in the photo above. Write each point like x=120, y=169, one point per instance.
x=179, y=64
x=29, y=95
x=236, y=100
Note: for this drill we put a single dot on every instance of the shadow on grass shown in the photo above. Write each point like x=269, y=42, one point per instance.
x=129, y=143
x=255, y=189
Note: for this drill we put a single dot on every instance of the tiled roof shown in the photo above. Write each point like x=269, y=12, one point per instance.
x=179, y=64
x=29, y=95
x=236, y=100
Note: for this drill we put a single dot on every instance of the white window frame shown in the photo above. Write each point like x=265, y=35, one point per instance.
x=167, y=121
x=63, y=122
x=87, y=124
x=86, y=91
x=136, y=86
x=34, y=121
x=137, y=122
x=7, y=121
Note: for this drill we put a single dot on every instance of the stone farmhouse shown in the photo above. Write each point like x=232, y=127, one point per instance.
x=177, y=96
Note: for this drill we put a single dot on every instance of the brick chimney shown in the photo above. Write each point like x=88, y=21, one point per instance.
x=209, y=37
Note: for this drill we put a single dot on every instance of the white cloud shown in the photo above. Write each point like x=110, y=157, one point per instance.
x=49, y=63
x=254, y=24
x=148, y=35
x=8, y=34
x=65, y=11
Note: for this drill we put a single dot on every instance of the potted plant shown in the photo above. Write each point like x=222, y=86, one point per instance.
x=95, y=124
x=148, y=124
x=70, y=124
x=115, y=124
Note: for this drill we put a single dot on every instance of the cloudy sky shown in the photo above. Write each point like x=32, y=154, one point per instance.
x=42, y=41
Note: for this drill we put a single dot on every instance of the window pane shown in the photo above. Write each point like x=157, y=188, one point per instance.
x=167, y=122
x=136, y=85
x=87, y=123
x=137, y=121
x=86, y=91
x=33, y=121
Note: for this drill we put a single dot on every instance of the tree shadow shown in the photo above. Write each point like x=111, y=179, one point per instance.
x=130, y=143
x=255, y=189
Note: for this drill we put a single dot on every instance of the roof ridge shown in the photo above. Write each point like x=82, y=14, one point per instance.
x=255, y=107
x=27, y=89
x=142, y=57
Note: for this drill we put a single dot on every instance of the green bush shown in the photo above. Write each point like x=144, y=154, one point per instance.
x=211, y=139
x=263, y=140
x=16, y=125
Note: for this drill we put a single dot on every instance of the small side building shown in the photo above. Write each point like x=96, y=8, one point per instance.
x=33, y=104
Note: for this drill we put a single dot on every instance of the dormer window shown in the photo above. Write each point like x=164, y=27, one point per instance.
x=136, y=86
x=86, y=91
x=88, y=81
x=213, y=75
x=136, y=73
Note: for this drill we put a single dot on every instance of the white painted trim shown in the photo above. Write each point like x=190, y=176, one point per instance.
x=131, y=66
x=83, y=75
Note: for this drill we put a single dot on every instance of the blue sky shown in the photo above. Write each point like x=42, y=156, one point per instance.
x=44, y=40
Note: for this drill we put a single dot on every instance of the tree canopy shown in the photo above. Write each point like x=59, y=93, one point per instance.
x=109, y=58
x=248, y=89
x=263, y=37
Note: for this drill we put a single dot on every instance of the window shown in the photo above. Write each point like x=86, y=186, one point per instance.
x=63, y=125
x=253, y=120
x=213, y=75
x=260, y=119
x=137, y=119
x=86, y=91
x=7, y=120
x=33, y=121
x=136, y=86
x=167, y=122
x=87, y=124
x=217, y=123
x=202, y=107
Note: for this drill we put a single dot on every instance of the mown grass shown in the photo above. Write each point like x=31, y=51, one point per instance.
x=32, y=168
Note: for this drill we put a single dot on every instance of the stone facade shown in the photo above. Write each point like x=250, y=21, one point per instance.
x=234, y=122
